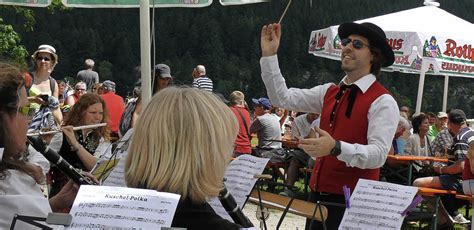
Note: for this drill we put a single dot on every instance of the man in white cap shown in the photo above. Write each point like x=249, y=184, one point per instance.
x=358, y=115
x=441, y=123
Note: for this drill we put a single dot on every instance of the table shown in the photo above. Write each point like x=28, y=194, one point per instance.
x=409, y=161
x=289, y=143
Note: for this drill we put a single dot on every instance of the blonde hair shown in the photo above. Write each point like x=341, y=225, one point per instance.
x=237, y=98
x=182, y=144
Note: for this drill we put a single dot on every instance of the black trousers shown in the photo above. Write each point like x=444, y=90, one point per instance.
x=335, y=213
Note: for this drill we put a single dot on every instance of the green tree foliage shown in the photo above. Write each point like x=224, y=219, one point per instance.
x=224, y=39
x=9, y=44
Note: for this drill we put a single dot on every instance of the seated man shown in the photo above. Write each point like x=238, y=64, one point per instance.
x=450, y=176
x=298, y=158
x=267, y=127
x=439, y=125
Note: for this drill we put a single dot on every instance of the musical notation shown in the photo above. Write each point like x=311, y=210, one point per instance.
x=379, y=201
x=382, y=194
x=118, y=206
x=365, y=222
x=376, y=205
x=389, y=210
x=118, y=217
x=99, y=226
x=373, y=216
x=126, y=207
x=240, y=179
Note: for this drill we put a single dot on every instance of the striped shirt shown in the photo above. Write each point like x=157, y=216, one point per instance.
x=461, y=144
x=203, y=82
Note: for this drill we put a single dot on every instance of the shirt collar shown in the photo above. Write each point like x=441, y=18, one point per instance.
x=363, y=83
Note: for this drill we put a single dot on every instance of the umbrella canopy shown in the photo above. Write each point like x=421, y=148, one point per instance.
x=425, y=40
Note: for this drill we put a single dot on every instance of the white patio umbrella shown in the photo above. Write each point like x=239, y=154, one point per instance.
x=425, y=40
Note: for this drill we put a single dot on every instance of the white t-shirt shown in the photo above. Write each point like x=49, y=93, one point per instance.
x=20, y=194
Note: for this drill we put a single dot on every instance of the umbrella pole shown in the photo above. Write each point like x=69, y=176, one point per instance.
x=419, y=97
x=145, y=51
x=445, y=93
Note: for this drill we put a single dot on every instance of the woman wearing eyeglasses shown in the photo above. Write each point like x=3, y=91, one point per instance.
x=79, y=89
x=44, y=91
x=19, y=191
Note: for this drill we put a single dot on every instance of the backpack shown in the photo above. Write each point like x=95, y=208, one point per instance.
x=126, y=119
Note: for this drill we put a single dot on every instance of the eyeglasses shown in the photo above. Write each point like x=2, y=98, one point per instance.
x=27, y=111
x=355, y=43
x=38, y=58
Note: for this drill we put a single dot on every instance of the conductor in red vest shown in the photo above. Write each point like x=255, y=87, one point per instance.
x=358, y=115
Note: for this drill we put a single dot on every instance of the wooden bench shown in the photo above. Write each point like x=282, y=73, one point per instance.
x=297, y=207
x=437, y=193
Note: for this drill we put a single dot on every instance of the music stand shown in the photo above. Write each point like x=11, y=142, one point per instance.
x=29, y=220
x=53, y=218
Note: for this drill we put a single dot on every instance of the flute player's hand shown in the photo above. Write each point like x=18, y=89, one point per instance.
x=270, y=39
x=71, y=137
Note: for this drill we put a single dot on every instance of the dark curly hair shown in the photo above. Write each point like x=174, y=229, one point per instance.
x=416, y=122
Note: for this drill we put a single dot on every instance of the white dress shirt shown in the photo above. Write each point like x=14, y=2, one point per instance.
x=383, y=114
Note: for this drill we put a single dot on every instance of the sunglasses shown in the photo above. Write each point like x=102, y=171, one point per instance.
x=355, y=43
x=27, y=111
x=80, y=89
x=38, y=58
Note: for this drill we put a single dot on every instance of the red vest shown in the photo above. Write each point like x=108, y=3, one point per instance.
x=329, y=174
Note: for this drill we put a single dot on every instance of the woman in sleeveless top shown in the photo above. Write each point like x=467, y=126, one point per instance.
x=45, y=59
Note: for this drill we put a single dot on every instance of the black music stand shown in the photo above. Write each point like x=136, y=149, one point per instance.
x=32, y=220
x=53, y=218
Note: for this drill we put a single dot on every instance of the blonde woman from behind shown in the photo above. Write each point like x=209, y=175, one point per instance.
x=182, y=144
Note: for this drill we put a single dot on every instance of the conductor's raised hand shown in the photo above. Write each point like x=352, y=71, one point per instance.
x=270, y=39
x=318, y=147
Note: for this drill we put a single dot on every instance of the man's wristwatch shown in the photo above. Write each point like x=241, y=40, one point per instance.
x=336, y=150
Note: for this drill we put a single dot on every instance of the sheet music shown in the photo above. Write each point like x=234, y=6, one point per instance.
x=103, y=207
x=240, y=180
x=103, y=167
x=377, y=205
x=116, y=178
x=117, y=175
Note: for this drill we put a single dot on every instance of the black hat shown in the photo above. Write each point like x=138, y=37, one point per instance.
x=457, y=116
x=373, y=33
x=163, y=71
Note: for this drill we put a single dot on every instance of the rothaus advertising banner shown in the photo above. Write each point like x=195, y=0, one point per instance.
x=440, y=45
